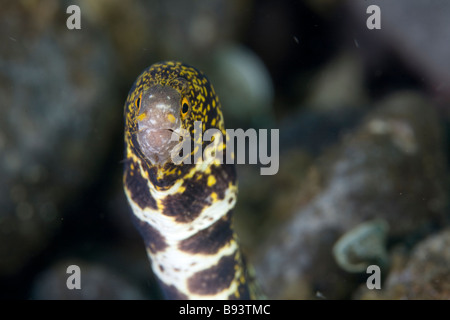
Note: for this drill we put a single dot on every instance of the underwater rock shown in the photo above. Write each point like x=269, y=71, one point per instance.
x=96, y=282
x=260, y=196
x=408, y=27
x=425, y=274
x=391, y=168
x=57, y=116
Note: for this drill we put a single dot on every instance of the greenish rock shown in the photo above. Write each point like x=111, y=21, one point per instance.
x=339, y=85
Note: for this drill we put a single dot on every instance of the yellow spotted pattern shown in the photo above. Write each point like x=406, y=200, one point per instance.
x=179, y=208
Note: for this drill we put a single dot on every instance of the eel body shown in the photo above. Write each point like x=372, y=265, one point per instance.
x=183, y=211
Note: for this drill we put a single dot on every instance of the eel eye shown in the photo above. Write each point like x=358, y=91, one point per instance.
x=138, y=102
x=185, y=107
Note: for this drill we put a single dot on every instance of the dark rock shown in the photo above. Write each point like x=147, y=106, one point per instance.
x=391, y=168
x=56, y=120
x=97, y=282
x=425, y=274
x=417, y=31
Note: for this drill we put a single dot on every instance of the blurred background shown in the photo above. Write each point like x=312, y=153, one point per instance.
x=364, y=138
